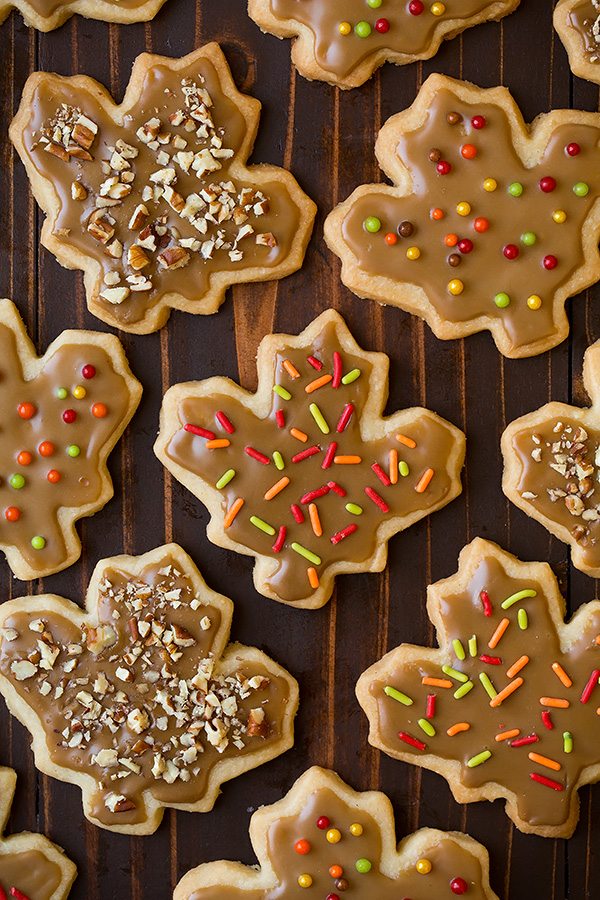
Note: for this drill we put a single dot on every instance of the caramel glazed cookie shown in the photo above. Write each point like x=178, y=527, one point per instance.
x=344, y=41
x=153, y=199
x=62, y=415
x=46, y=15
x=138, y=700
x=305, y=474
x=578, y=24
x=326, y=839
x=31, y=866
x=508, y=706
x=492, y=224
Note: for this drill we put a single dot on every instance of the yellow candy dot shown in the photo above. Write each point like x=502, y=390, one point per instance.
x=490, y=185
x=438, y=9
x=463, y=209
x=345, y=28
x=455, y=287
x=534, y=302
x=356, y=829
x=305, y=881
x=413, y=253
x=559, y=216
x=79, y=392
x=423, y=867
x=334, y=836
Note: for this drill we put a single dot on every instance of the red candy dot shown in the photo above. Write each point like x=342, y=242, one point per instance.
x=459, y=886
x=391, y=239
x=465, y=246
x=443, y=167
x=550, y=262
x=382, y=26
x=26, y=410
x=416, y=7
x=302, y=847
x=69, y=416
x=12, y=514
x=53, y=476
x=99, y=410
x=481, y=224
x=478, y=122
x=46, y=448
x=468, y=151
x=24, y=458
x=573, y=149
x=323, y=823
x=332, y=897
x=511, y=251
x=547, y=184
x=88, y=371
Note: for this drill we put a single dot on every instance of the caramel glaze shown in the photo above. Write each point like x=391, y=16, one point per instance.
x=583, y=18
x=47, y=7
x=161, y=97
x=448, y=859
x=64, y=715
x=31, y=873
x=434, y=443
x=484, y=271
x=508, y=766
x=40, y=500
x=408, y=34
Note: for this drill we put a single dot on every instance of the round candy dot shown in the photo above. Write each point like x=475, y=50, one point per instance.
x=363, y=29
x=391, y=238
x=344, y=28
x=559, y=216
x=463, y=208
x=481, y=224
x=382, y=26
x=581, y=189
x=515, y=189
x=438, y=9
x=468, y=151
x=46, y=448
x=62, y=393
x=24, y=458
x=332, y=897
x=455, y=287
x=79, y=392
x=38, y=542
x=465, y=246
x=454, y=260
x=356, y=829
x=88, y=371
x=73, y=450
x=374, y=4
x=459, y=886
x=550, y=262
x=534, y=302
x=363, y=865
x=302, y=847
x=437, y=214
x=17, y=482
x=416, y=7
x=423, y=866
x=333, y=836
x=573, y=149
x=323, y=823
x=511, y=251
x=372, y=224
x=528, y=238
x=451, y=240
x=547, y=184
x=502, y=300
x=69, y=416
x=406, y=229
x=26, y=410
x=342, y=884
x=435, y=155
x=454, y=118
x=443, y=167
x=490, y=185
x=53, y=476
x=305, y=881
x=336, y=871
x=413, y=253
x=99, y=410
x=478, y=122
x=12, y=514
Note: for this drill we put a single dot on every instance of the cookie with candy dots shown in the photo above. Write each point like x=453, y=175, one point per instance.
x=491, y=224
x=46, y=15
x=508, y=706
x=323, y=839
x=578, y=25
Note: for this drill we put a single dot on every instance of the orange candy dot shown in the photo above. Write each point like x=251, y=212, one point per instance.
x=24, y=458
x=99, y=410
x=481, y=224
x=53, y=476
x=437, y=214
x=451, y=240
x=391, y=238
x=12, y=514
x=26, y=410
x=46, y=448
x=302, y=847
x=336, y=871
x=469, y=151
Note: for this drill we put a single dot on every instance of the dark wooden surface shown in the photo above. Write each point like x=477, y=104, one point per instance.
x=326, y=137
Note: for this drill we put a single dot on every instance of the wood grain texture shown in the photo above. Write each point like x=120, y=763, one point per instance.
x=326, y=138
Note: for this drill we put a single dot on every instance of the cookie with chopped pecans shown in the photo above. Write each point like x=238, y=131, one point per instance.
x=578, y=25
x=507, y=707
x=46, y=15
x=139, y=700
x=152, y=199
x=306, y=475
x=31, y=866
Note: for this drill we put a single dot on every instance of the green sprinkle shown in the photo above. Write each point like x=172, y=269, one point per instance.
x=567, y=742
x=459, y=650
x=523, y=619
x=363, y=30
x=351, y=376
x=454, y=673
x=278, y=460
x=319, y=418
x=473, y=645
x=73, y=450
x=514, y=598
x=489, y=687
x=38, y=542
x=363, y=866
x=354, y=509
x=281, y=392
x=374, y=4
x=225, y=478
x=17, y=482
x=372, y=224
x=397, y=695
x=515, y=189
x=307, y=554
x=62, y=393
x=502, y=300
x=581, y=189
x=528, y=238
x=403, y=468
x=264, y=526
x=426, y=726
x=479, y=759
x=463, y=690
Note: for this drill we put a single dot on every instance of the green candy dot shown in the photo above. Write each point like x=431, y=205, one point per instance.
x=515, y=189
x=374, y=4
x=38, y=542
x=581, y=189
x=17, y=482
x=73, y=450
x=363, y=865
x=502, y=300
x=372, y=224
x=528, y=238
x=363, y=29
x=62, y=393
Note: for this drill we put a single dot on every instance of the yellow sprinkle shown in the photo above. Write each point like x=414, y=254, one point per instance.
x=455, y=287
x=79, y=392
x=534, y=302
x=490, y=185
x=423, y=866
x=413, y=253
x=438, y=9
x=559, y=216
x=333, y=836
x=344, y=28
x=463, y=208
x=356, y=829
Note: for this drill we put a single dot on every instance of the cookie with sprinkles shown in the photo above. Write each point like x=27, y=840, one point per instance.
x=305, y=474
x=31, y=866
x=491, y=225
x=62, y=414
x=46, y=15
x=508, y=706
x=552, y=469
x=345, y=41
x=327, y=839
x=153, y=198
x=139, y=700
x=578, y=25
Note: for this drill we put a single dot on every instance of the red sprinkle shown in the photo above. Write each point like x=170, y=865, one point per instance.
x=409, y=739
x=487, y=603
x=491, y=660
x=280, y=418
x=17, y=894
x=224, y=422
x=304, y=454
x=323, y=823
x=259, y=457
x=329, y=455
x=377, y=500
x=430, y=707
x=2, y=893
x=593, y=681
x=88, y=371
x=315, y=363
x=524, y=741
x=547, y=719
x=547, y=782
x=335, y=487
x=344, y=533
x=381, y=474
x=278, y=545
x=337, y=370
x=69, y=416
x=345, y=417
x=200, y=432
x=314, y=495
x=297, y=513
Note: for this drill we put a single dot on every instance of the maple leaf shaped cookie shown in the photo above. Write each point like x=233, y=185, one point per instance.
x=492, y=224
x=552, y=469
x=62, y=414
x=305, y=474
x=344, y=41
x=153, y=199
x=578, y=25
x=138, y=700
x=46, y=15
x=31, y=866
x=325, y=838
x=508, y=706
